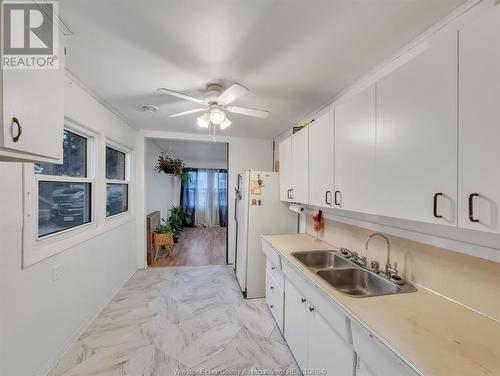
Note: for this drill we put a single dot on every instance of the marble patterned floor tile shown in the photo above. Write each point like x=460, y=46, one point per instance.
x=179, y=318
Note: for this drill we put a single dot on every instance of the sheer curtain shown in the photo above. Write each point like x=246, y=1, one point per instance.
x=204, y=197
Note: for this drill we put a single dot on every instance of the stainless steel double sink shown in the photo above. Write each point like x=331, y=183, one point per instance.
x=348, y=277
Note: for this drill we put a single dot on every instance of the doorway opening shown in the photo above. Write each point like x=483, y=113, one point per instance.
x=187, y=206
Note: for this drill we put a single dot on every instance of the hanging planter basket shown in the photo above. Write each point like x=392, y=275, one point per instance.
x=171, y=166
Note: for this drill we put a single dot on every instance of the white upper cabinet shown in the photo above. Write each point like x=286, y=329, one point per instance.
x=32, y=108
x=321, y=155
x=479, y=120
x=300, y=166
x=285, y=159
x=417, y=135
x=355, y=126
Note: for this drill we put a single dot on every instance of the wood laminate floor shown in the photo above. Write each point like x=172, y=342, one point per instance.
x=180, y=321
x=197, y=246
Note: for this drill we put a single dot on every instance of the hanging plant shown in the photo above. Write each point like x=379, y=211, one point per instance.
x=171, y=166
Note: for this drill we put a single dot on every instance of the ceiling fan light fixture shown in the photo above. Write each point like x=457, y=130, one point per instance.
x=217, y=116
x=203, y=120
x=226, y=123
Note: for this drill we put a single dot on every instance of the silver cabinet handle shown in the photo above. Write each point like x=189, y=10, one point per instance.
x=303, y=300
x=19, y=130
x=311, y=309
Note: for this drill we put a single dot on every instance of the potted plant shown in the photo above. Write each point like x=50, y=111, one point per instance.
x=171, y=166
x=175, y=221
x=163, y=237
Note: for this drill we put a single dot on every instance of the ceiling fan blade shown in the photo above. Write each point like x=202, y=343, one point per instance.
x=187, y=112
x=232, y=93
x=248, y=111
x=180, y=95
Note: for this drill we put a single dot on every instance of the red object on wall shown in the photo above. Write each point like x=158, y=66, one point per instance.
x=318, y=221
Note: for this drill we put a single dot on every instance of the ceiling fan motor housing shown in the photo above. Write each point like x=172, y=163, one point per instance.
x=213, y=92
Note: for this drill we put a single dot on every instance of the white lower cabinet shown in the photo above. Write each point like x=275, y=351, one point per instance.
x=275, y=299
x=374, y=358
x=322, y=337
x=312, y=340
x=362, y=368
x=296, y=323
x=327, y=350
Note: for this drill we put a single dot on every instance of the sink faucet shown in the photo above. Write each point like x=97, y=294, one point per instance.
x=389, y=270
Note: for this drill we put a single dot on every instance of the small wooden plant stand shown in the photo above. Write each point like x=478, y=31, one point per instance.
x=165, y=240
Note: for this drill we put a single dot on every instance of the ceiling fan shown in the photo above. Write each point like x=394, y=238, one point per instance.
x=215, y=103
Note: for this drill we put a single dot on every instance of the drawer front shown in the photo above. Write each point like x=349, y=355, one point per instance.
x=275, y=299
x=322, y=303
x=277, y=273
x=271, y=254
x=378, y=358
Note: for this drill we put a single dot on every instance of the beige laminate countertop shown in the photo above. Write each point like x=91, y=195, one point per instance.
x=435, y=335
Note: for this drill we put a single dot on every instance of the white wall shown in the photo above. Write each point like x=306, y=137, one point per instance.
x=39, y=318
x=161, y=190
x=244, y=154
x=206, y=164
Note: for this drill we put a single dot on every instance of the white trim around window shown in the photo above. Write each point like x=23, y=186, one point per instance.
x=36, y=249
x=126, y=181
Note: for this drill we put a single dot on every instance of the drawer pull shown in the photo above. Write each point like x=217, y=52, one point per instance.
x=303, y=300
x=19, y=130
x=271, y=287
x=271, y=306
x=273, y=268
x=311, y=309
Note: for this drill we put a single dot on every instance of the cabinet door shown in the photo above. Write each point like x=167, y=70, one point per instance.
x=417, y=135
x=285, y=158
x=321, y=153
x=36, y=99
x=327, y=349
x=296, y=323
x=274, y=299
x=300, y=166
x=355, y=121
x=479, y=124
x=362, y=369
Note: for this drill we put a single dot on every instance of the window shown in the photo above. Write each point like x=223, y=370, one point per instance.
x=65, y=190
x=116, y=181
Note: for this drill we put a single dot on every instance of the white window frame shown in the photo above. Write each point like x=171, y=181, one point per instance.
x=128, y=173
x=37, y=248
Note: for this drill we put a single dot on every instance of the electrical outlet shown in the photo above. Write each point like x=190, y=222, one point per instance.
x=56, y=272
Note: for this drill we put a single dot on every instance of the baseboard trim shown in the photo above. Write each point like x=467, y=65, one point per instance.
x=47, y=367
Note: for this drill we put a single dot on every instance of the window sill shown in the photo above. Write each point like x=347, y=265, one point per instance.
x=45, y=248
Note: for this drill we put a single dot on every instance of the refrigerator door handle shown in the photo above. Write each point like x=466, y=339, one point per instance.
x=236, y=209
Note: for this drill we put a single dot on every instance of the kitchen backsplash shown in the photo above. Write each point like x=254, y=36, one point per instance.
x=471, y=281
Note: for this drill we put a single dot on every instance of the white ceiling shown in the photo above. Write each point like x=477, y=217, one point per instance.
x=293, y=55
x=194, y=151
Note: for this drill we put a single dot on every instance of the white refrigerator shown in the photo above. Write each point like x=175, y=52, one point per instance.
x=258, y=210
